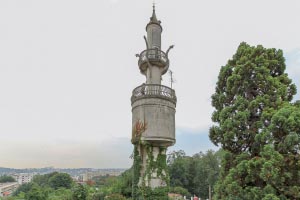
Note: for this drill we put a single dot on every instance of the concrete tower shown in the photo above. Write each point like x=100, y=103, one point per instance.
x=153, y=113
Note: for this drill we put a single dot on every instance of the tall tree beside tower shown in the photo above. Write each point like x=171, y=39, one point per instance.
x=253, y=89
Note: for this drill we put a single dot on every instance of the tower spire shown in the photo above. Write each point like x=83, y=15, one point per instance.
x=153, y=18
x=153, y=6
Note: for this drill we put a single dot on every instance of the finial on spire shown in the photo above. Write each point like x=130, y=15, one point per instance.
x=153, y=19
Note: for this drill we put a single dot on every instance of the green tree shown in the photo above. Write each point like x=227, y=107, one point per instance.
x=115, y=197
x=178, y=164
x=284, y=133
x=194, y=173
x=101, y=180
x=207, y=172
x=61, y=180
x=251, y=88
x=191, y=175
x=61, y=194
x=80, y=192
x=6, y=179
x=96, y=196
x=43, y=180
x=20, y=196
x=180, y=190
x=124, y=183
x=24, y=188
x=36, y=193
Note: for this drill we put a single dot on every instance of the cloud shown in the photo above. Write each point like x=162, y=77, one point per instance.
x=71, y=153
x=110, y=152
x=68, y=74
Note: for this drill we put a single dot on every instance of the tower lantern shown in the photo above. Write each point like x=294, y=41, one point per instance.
x=153, y=115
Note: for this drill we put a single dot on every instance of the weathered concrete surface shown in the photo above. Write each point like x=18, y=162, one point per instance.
x=159, y=117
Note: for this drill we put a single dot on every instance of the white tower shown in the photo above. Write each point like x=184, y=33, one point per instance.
x=153, y=113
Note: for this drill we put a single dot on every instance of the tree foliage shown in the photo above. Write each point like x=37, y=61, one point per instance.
x=61, y=194
x=251, y=88
x=61, y=180
x=36, y=193
x=23, y=188
x=79, y=192
x=284, y=132
x=6, y=179
x=194, y=173
x=178, y=164
x=179, y=190
x=55, y=185
x=43, y=180
x=115, y=197
x=189, y=172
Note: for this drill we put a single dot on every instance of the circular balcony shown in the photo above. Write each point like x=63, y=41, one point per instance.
x=155, y=91
x=155, y=57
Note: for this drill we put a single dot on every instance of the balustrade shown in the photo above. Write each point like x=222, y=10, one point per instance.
x=153, y=90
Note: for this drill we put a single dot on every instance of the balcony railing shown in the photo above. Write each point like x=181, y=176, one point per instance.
x=153, y=90
x=153, y=55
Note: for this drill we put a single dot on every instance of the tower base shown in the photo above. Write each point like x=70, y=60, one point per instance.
x=151, y=179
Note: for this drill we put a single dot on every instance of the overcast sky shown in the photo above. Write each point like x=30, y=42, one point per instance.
x=67, y=70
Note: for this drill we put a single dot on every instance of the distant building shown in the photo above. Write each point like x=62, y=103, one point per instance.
x=23, y=177
x=6, y=189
